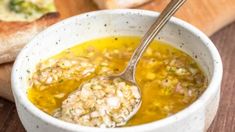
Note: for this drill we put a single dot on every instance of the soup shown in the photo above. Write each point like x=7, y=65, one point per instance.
x=169, y=79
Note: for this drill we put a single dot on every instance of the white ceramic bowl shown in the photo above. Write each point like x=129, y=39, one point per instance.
x=195, y=118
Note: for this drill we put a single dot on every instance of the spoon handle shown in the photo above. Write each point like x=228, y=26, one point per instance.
x=166, y=14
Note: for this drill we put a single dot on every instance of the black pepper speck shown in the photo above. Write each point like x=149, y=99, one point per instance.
x=179, y=32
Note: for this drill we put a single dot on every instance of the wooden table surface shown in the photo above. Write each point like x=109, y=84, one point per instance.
x=225, y=119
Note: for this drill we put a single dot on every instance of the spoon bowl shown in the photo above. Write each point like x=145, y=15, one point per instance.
x=132, y=83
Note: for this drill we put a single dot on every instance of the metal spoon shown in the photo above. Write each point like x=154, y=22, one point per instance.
x=128, y=75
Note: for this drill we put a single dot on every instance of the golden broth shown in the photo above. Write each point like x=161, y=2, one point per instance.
x=170, y=80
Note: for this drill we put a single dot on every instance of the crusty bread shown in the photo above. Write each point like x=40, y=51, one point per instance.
x=112, y=4
x=14, y=35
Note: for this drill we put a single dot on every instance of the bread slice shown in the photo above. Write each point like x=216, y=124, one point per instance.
x=14, y=35
x=112, y=4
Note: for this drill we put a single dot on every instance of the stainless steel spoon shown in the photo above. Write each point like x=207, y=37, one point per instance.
x=128, y=75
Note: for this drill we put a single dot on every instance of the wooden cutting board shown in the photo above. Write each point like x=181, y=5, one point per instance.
x=207, y=15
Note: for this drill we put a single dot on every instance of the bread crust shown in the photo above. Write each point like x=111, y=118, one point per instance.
x=14, y=35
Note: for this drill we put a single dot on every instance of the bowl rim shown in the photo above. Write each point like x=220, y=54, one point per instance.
x=212, y=88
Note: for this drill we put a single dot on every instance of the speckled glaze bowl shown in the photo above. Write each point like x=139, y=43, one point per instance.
x=195, y=118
